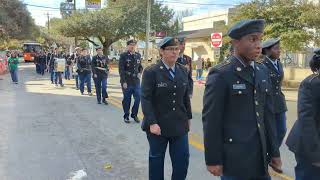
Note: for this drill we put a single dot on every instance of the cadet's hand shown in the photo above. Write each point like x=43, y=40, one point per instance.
x=276, y=164
x=155, y=129
x=139, y=75
x=215, y=170
x=189, y=123
x=125, y=85
x=95, y=76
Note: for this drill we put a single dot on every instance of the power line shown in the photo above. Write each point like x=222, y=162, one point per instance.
x=195, y=3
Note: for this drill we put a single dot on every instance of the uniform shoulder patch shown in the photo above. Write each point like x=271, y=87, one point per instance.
x=222, y=64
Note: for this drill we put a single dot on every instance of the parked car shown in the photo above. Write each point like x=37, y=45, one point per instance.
x=114, y=57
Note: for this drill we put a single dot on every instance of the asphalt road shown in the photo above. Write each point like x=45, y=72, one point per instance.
x=51, y=133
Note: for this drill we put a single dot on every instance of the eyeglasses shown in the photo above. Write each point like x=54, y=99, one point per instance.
x=172, y=49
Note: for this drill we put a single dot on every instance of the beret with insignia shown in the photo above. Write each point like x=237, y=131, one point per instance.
x=131, y=41
x=317, y=51
x=245, y=27
x=167, y=41
x=270, y=42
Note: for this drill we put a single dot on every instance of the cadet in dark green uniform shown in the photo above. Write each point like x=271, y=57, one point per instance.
x=271, y=50
x=167, y=113
x=304, y=138
x=239, y=127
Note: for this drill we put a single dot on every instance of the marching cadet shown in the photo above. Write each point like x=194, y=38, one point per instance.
x=75, y=58
x=84, y=71
x=42, y=62
x=100, y=72
x=130, y=70
x=186, y=61
x=238, y=124
x=304, y=139
x=167, y=113
x=51, y=61
x=271, y=50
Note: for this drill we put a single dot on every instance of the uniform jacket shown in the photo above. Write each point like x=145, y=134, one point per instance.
x=276, y=77
x=84, y=65
x=239, y=127
x=42, y=60
x=186, y=60
x=100, y=66
x=129, y=68
x=165, y=100
x=304, y=138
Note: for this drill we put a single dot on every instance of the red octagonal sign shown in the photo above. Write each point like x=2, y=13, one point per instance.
x=216, y=39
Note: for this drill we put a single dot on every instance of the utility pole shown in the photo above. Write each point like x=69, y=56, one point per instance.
x=146, y=54
x=48, y=16
x=74, y=10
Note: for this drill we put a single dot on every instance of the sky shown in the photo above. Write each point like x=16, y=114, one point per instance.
x=198, y=7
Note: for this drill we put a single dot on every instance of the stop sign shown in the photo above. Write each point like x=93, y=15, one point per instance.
x=216, y=39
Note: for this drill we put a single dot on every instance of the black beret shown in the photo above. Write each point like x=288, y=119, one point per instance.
x=98, y=47
x=270, y=42
x=131, y=41
x=317, y=51
x=181, y=39
x=246, y=27
x=167, y=41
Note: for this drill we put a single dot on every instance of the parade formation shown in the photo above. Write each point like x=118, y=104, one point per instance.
x=244, y=114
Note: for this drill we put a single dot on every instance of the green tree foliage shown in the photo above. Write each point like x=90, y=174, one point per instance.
x=119, y=20
x=16, y=21
x=54, y=35
x=297, y=23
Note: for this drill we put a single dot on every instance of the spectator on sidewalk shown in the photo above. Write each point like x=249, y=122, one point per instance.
x=304, y=139
x=84, y=71
x=208, y=64
x=199, y=68
x=13, y=62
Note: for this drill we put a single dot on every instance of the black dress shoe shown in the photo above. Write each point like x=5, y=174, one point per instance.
x=105, y=102
x=99, y=102
x=136, y=119
x=126, y=120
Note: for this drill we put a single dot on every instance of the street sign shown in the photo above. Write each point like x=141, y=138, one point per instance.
x=216, y=40
x=93, y=4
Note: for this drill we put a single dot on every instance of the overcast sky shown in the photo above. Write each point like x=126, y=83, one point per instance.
x=200, y=6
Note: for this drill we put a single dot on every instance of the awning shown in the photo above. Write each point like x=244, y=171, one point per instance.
x=201, y=33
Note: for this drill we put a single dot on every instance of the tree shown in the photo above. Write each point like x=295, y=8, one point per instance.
x=295, y=22
x=120, y=19
x=16, y=21
x=55, y=36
